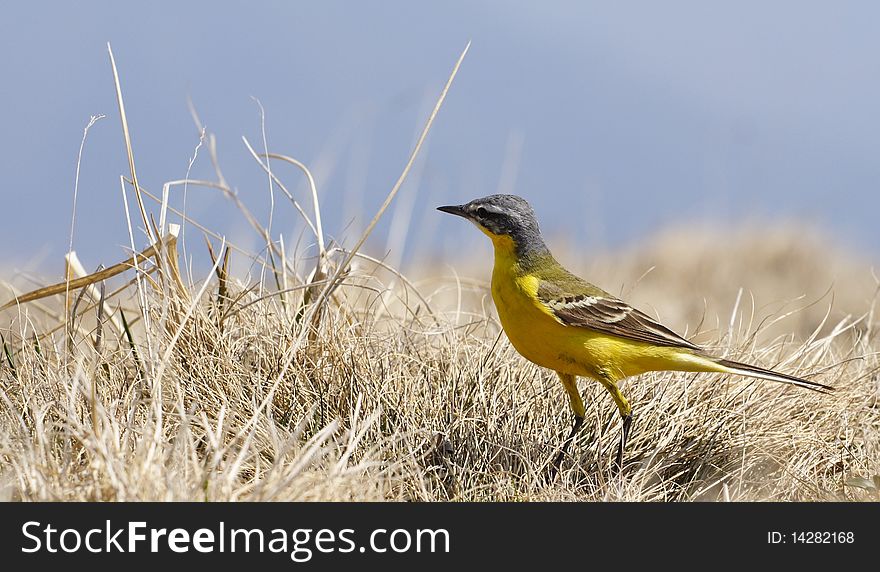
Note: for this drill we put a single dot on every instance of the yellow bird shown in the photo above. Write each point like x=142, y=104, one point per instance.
x=561, y=322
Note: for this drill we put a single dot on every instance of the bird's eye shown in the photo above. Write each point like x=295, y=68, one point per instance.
x=481, y=212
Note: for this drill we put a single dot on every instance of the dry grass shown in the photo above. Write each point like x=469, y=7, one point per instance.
x=391, y=399
x=342, y=379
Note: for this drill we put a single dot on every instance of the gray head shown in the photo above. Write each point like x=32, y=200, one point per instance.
x=503, y=215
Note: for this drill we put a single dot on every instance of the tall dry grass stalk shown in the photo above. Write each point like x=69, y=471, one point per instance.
x=347, y=379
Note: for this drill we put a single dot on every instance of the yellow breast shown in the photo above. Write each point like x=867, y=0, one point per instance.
x=529, y=325
x=542, y=339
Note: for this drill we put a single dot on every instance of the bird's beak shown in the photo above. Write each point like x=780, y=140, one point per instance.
x=454, y=209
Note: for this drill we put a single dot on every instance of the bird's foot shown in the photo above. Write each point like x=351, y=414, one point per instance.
x=553, y=468
x=627, y=423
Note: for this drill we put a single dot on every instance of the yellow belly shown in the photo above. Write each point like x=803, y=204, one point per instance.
x=543, y=340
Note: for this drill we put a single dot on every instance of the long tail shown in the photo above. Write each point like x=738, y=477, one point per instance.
x=739, y=368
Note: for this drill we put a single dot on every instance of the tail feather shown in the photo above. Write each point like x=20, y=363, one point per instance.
x=739, y=368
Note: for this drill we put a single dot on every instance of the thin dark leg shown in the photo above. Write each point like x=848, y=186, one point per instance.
x=627, y=422
x=554, y=466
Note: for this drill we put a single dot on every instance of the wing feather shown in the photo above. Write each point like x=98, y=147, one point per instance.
x=602, y=312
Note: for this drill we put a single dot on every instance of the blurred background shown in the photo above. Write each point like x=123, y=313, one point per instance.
x=615, y=120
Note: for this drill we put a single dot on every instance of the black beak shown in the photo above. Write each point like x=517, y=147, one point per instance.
x=454, y=209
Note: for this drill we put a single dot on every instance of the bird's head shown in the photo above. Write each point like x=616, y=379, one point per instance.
x=504, y=218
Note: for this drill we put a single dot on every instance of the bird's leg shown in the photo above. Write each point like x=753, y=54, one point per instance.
x=577, y=406
x=627, y=421
x=625, y=413
x=554, y=466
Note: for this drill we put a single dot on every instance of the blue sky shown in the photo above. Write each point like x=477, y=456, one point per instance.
x=613, y=119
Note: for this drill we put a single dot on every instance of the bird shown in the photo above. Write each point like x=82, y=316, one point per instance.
x=561, y=322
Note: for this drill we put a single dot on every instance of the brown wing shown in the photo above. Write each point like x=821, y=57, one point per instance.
x=597, y=310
